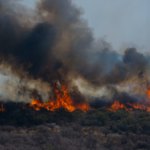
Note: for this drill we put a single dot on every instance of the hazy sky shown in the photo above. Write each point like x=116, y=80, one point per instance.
x=123, y=23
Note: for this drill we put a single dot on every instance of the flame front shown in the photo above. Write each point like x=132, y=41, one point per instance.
x=117, y=106
x=62, y=100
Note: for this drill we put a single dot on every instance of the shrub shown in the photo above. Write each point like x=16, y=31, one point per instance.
x=102, y=117
x=105, y=131
x=119, y=115
x=134, y=138
x=7, y=128
x=122, y=126
x=42, y=129
x=70, y=133
x=77, y=127
x=77, y=113
x=91, y=142
x=50, y=146
x=114, y=128
x=141, y=144
x=40, y=119
x=92, y=111
x=106, y=111
x=124, y=139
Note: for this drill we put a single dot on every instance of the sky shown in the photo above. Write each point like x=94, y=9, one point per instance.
x=123, y=23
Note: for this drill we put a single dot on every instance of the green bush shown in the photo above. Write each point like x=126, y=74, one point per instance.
x=41, y=118
x=120, y=114
x=102, y=117
x=106, y=111
x=77, y=113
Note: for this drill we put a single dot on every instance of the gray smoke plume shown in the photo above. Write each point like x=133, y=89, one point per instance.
x=53, y=44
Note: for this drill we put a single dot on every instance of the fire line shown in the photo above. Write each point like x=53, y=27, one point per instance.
x=63, y=99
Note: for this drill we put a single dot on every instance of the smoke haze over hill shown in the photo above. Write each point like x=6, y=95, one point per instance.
x=53, y=44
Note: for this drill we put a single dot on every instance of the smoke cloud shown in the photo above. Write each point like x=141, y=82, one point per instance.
x=53, y=44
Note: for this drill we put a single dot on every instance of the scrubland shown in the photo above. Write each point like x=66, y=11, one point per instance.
x=99, y=129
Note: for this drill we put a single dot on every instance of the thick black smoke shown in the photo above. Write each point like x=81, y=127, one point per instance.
x=29, y=48
x=53, y=43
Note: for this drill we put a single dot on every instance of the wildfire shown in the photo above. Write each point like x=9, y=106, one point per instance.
x=63, y=99
x=2, y=108
x=148, y=93
x=117, y=106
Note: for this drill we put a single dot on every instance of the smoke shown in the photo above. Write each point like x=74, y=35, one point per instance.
x=53, y=44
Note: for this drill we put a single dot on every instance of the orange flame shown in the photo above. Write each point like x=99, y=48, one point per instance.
x=148, y=93
x=118, y=106
x=62, y=100
x=140, y=106
x=2, y=109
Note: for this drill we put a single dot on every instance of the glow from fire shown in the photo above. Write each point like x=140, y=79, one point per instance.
x=148, y=93
x=63, y=99
x=118, y=106
x=2, y=108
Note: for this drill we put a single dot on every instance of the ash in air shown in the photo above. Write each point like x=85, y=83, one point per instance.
x=54, y=45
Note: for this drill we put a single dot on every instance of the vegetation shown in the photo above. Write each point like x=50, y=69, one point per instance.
x=96, y=129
